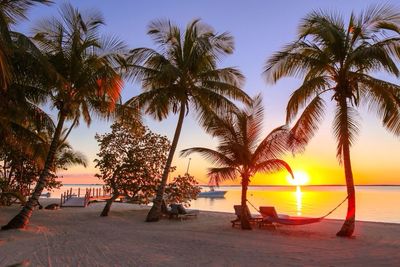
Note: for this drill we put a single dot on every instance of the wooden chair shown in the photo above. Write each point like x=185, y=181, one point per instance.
x=267, y=212
x=238, y=212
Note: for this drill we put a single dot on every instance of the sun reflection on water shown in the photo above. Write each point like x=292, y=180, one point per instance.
x=299, y=196
x=308, y=201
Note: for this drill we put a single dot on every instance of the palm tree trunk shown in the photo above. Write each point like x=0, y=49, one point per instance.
x=349, y=224
x=21, y=220
x=244, y=218
x=155, y=211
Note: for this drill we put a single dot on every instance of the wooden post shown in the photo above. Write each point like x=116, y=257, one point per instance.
x=61, y=200
x=79, y=191
x=70, y=192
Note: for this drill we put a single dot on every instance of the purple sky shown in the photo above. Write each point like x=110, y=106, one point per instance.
x=260, y=28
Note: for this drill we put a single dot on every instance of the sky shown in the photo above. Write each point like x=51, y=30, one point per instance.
x=260, y=28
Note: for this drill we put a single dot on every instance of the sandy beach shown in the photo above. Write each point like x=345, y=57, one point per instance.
x=79, y=237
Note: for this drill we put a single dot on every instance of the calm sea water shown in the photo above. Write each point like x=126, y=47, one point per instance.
x=374, y=203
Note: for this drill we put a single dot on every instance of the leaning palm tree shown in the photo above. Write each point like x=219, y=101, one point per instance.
x=336, y=60
x=240, y=151
x=182, y=75
x=87, y=81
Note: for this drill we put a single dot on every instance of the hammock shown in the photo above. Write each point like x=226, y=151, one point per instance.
x=290, y=220
x=273, y=217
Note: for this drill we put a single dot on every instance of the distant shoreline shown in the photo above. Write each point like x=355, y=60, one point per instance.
x=204, y=185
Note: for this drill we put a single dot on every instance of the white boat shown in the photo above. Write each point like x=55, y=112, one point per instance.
x=212, y=193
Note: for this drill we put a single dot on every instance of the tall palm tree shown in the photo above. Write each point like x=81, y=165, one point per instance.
x=336, y=60
x=240, y=151
x=87, y=80
x=182, y=75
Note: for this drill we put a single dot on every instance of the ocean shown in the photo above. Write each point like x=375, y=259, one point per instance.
x=373, y=203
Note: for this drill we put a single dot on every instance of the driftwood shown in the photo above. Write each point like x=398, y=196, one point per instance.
x=53, y=206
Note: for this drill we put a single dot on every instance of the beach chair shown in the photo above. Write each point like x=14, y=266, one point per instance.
x=268, y=212
x=179, y=212
x=238, y=212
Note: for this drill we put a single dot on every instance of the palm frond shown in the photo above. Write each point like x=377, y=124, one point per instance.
x=345, y=126
x=68, y=157
x=219, y=175
x=307, y=124
x=296, y=59
x=213, y=156
x=274, y=145
x=380, y=16
x=207, y=103
x=306, y=92
x=383, y=98
x=183, y=71
x=255, y=117
x=272, y=166
x=323, y=27
x=16, y=10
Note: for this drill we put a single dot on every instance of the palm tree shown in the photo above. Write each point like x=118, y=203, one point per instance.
x=183, y=75
x=337, y=60
x=20, y=64
x=11, y=12
x=87, y=81
x=240, y=151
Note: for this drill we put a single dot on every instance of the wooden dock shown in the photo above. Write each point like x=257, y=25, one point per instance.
x=69, y=199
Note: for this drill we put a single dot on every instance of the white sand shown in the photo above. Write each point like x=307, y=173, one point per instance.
x=79, y=237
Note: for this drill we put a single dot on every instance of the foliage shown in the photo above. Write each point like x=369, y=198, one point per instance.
x=337, y=61
x=184, y=71
x=20, y=171
x=182, y=75
x=86, y=64
x=21, y=65
x=240, y=150
x=182, y=189
x=131, y=160
x=11, y=42
x=83, y=80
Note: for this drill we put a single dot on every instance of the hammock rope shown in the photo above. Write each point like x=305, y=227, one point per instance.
x=329, y=213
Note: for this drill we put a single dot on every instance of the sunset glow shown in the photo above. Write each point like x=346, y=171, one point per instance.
x=300, y=178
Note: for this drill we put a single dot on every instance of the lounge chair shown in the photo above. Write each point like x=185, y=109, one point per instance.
x=238, y=212
x=177, y=211
x=270, y=216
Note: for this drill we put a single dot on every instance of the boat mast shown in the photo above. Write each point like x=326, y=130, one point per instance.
x=187, y=169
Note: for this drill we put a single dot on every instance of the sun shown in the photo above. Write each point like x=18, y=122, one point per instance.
x=300, y=178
